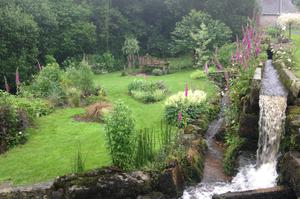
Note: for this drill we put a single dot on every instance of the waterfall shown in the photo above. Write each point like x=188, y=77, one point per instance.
x=263, y=174
x=272, y=103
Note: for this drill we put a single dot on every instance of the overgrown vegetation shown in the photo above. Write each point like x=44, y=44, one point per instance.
x=16, y=114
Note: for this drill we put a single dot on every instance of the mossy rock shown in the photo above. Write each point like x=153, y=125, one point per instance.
x=193, y=165
x=294, y=110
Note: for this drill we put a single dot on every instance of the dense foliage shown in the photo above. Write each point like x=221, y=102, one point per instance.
x=147, y=91
x=120, y=132
x=214, y=33
x=16, y=114
x=31, y=29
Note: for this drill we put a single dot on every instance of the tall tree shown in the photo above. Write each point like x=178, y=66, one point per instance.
x=19, y=35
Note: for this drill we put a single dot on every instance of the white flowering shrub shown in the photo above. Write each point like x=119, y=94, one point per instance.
x=193, y=98
x=186, y=107
x=287, y=20
x=284, y=55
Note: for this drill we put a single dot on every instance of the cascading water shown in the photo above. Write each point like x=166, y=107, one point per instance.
x=263, y=174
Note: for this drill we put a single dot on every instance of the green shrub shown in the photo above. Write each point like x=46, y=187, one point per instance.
x=16, y=114
x=50, y=59
x=234, y=143
x=224, y=54
x=192, y=107
x=120, y=132
x=273, y=31
x=199, y=74
x=105, y=63
x=74, y=97
x=147, y=91
x=47, y=82
x=11, y=127
x=34, y=108
x=157, y=72
x=81, y=78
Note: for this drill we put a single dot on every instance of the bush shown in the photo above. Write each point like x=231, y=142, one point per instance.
x=199, y=74
x=119, y=132
x=192, y=107
x=11, y=131
x=16, y=114
x=47, y=81
x=73, y=96
x=49, y=59
x=81, y=78
x=105, y=63
x=33, y=108
x=273, y=32
x=224, y=54
x=147, y=91
x=157, y=72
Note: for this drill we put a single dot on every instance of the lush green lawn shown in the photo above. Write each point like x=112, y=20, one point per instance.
x=296, y=40
x=51, y=147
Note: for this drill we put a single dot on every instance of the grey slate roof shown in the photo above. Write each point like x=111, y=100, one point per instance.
x=273, y=7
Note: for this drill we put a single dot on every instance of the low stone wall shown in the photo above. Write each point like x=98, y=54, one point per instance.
x=290, y=171
x=250, y=114
x=291, y=83
x=292, y=134
x=271, y=193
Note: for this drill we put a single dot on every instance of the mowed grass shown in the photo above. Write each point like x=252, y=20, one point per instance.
x=296, y=40
x=53, y=142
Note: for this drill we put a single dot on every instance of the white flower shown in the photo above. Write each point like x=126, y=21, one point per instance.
x=194, y=97
x=289, y=60
x=20, y=133
x=288, y=18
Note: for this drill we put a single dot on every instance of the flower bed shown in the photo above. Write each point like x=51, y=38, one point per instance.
x=147, y=91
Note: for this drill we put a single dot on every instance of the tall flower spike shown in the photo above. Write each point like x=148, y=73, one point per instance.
x=186, y=91
x=179, y=117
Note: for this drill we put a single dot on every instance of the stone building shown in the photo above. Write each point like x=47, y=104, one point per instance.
x=271, y=9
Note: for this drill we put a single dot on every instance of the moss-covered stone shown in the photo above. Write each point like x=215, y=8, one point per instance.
x=293, y=110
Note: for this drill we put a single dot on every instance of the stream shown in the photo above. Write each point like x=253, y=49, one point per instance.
x=253, y=173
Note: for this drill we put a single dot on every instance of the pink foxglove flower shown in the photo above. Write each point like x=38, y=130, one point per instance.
x=186, y=91
x=179, y=117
